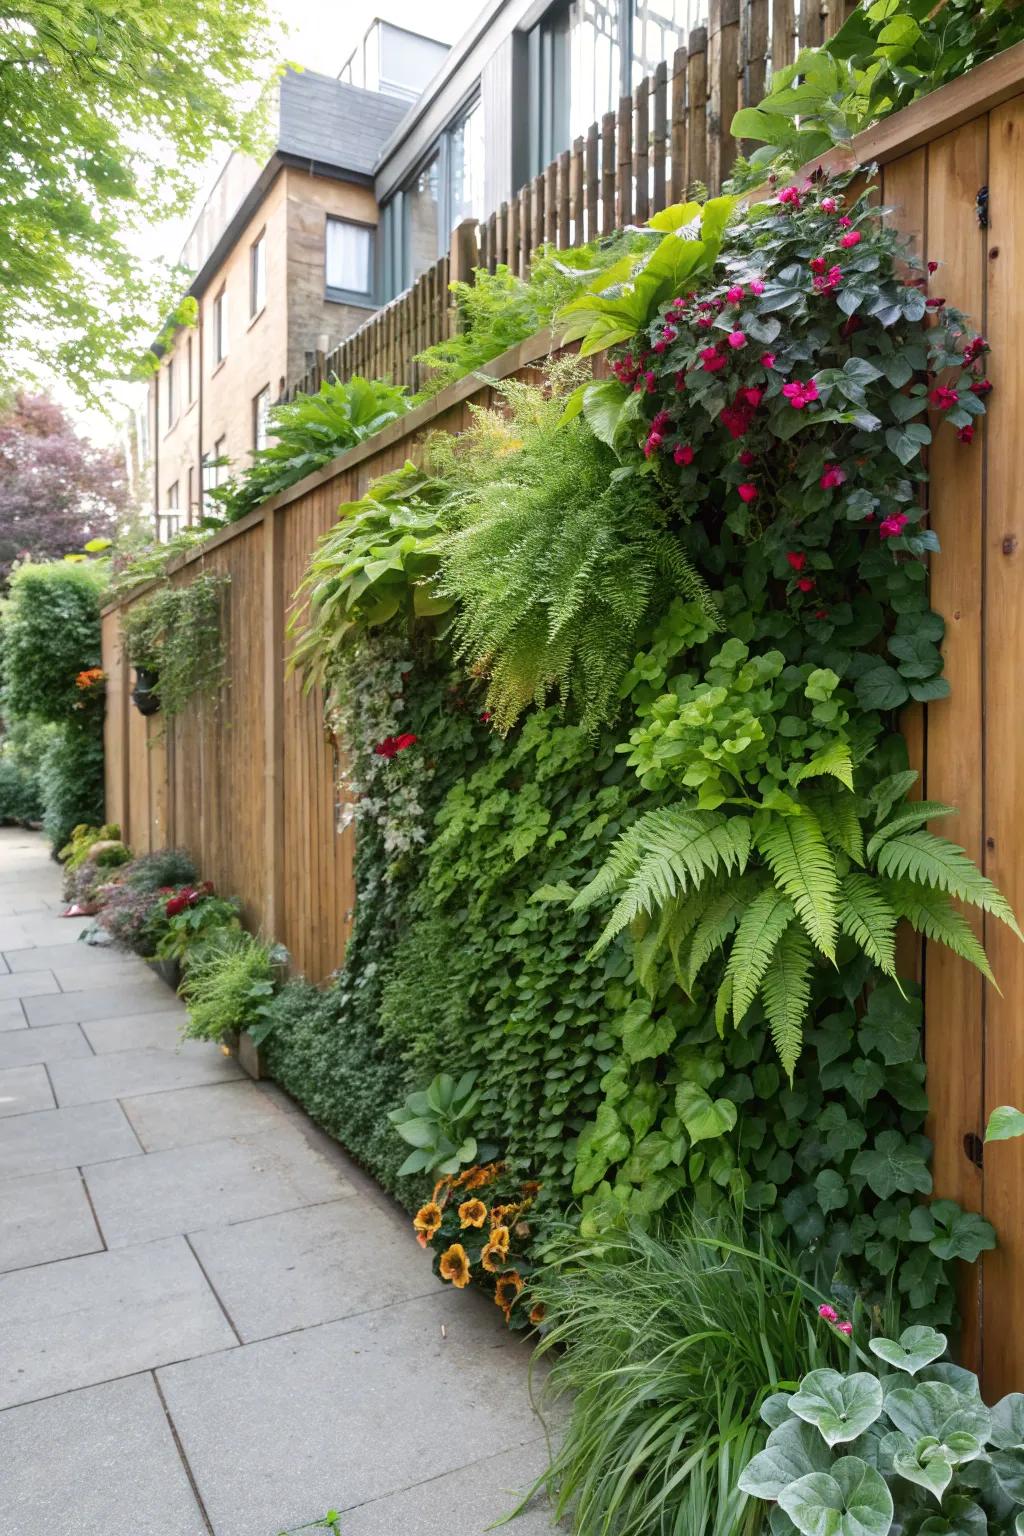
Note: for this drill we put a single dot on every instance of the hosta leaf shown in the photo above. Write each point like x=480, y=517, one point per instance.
x=915, y=1348
x=850, y=1500
x=793, y=1450
x=840, y=1407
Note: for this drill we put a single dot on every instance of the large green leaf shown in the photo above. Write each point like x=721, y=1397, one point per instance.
x=915, y=1348
x=703, y=1117
x=794, y=1449
x=895, y=1165
x=933, y=1408
x=850, y=1500
x=1004, y=1124
x=840, y=1407
x=1008, y=1422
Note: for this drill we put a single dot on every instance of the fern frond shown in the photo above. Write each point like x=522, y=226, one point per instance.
x=672, y=926
x=933, y=914
x=717, y=922
x=786, y=994
x=867, y=917
x=836, y=811
x=913, y=813
x=833, y=761
x=927, y=860
x=805, y=868
x=666, y=853
x=760, y=929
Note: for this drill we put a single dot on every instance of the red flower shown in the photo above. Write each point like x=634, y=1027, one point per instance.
x=800, y=394
x=828, y=205
x=806, y=584
x=981, y=387
x=392, y=745
x=796, y=558
x=821, y=613
x=653, y=442
x=974, y=349
x=790, y=195
x=934, y=303
x=834, y=475
x=966, y=434
x=844, y=222
x=852, y=239
x=683, y=454
x=747, y=458
x=747, y=492
x=818, y=264
x=175, y=905
x=768, y=359
x=892, y=527
x=933, y=266
x=752, y=395
x=943, y=398
x=736, y=339
x=484, y=716
x=712, y=360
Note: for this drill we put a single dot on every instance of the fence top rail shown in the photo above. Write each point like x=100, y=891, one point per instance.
x=982, y=89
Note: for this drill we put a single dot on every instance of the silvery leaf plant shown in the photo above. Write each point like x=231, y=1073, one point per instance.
x=911, y=1450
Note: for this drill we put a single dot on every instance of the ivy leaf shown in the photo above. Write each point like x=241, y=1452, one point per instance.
x=928, y=691
x=912, y=1351
x=643, y=1036
x=840, y=1407
x=917, y=657
x=703, y=1116
x=850, y=1500
x=891, y=1025
x=1008, y=1422
x=899, y=441
x=960, y=1234
x=894, y=1164
x=600, y=1145
x=881, y=688
x=1004, y=1124
x=831, y=1190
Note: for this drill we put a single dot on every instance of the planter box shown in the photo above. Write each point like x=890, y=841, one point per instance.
x=248, y=1054
x=169, y=971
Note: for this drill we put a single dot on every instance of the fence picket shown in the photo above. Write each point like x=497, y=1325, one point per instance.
x=624, y=163
x=641, y=149
x=607, y=173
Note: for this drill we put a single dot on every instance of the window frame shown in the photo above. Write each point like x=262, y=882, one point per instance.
x=258, y=273
x=396, y=212
x=221, y=339
x=190, y=383
x=257, y=445
x=364, y=299
x=170, y=401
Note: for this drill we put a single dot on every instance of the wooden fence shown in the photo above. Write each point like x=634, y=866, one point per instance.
x=249, y=785
x=671, y=133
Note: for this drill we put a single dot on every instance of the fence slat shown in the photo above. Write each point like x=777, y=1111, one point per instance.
x=755, y=51
x=536, y=214
x=551, y=204
x=564, y=199
x=607, y=173
x=592, y=185
x=783, y=33
x=576, y=219
x=641, y=151
x=624, y=163
x=723, y=96
x=659, y=181
x=696, y=108
x=525, y=232
x=678, y=184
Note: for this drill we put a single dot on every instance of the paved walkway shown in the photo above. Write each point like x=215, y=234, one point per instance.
x=210, y=1322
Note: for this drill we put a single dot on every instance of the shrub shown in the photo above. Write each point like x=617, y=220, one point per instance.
x=71, y=779
x=51, y=633
x=161, y=869
x=228, y=984
x=130, y=913
x=21, y=801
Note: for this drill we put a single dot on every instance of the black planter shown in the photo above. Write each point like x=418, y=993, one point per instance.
x=144, y=695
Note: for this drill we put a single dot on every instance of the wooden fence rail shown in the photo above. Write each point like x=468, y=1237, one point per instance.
x=672, y=134
x=249, y=786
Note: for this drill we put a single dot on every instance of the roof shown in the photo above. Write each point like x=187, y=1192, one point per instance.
x=329, y=123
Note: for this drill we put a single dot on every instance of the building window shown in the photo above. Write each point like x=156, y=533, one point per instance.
x=191, y=493
x=220, y=326
x=169, y=392
x=189, y=377
x=257, y=275
x=466, y=167
x=448, y=187
x=214, y=473
x=349, y=260
x=260, y=411
x=169, y=521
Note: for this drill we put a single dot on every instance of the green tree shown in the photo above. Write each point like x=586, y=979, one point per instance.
x=107, y=107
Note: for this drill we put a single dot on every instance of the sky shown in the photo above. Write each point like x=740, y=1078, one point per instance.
x=321, y=35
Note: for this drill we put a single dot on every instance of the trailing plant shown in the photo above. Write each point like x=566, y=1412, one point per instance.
x=556, y=558
x=228, y=985
x=479, y=1227
x=884, y=56
x=916, y=1450
x=310, y=431
x=177, y=633
x=136, y=564
x=664, y=1348
x=436, y=1122
x=195, y=916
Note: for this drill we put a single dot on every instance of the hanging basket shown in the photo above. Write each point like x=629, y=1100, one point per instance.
x=144, y=695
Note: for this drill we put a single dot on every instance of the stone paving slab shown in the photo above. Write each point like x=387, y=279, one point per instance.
x=462, y=1503
x=141, y=1031
x=57, y=1042
x=44, y=1217
x=12, y=1015
x=148, y=994
x=24, y=1089
x=70, y=957
x=312, y=1266
x=46, y=928
x=186, y=1116
x=28, y=984
x=98, y=1462
x=65, y=1138
x=124, y=971
x=83, y=1321
x=357, y=1410
x=187, y=1189
x=121, y=1073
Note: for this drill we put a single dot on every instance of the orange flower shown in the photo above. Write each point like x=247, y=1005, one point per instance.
x=442, y=1184
x=428, y=1219
x=501, y=1213
x=472, y=1213
x=506, y=1291
x=455, y=1266
x=531, y=1189
x=89, y=678
x=476, y=1178
x=496, y=1252
x=538, y=1314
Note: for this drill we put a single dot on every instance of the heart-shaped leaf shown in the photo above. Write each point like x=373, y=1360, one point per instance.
x=839, y=1407
x=915, y=1348
x=1004, y=1123
x=851, y=1500
x=926, y=1466
x=793, y=1450
x=1008, y=1467
x=933, y=1408
x=1008, y=1422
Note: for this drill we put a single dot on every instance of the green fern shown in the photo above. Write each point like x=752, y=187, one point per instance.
x=910, y=815
x=716, y=924
x=869, y=919
x=786, y=994
x=836, y=812
x=805, y=868
x=757, y=937
x=927, y=860
x=933, y=914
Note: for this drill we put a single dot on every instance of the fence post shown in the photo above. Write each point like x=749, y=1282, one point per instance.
x=697, y=107
x=273, y=720
x=723, y=81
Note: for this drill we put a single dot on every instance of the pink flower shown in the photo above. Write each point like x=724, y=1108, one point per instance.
x=799, y=393
x=680, y=380
x=747, y=492
x=981, y=387
x=661, y=346
x=797, y=559
x=736, y=339
x=844, y=222
x=846, y=1328
x=650, y=381
x=757, y=287
x=966, y=434
x=752, y=395
x=735, y=294
x=833, y=476
x=683, y=454
x=790, y=195
x=933, y=266
x=711, y=360
x=828, y=205
x=818, y=264
x=934, y=303
x=660, y=421
x=829, y=1314
x=806, y=584
x=654, y=441
x=746, y=458
x=942, y=398
x=850, y=240
x=892, y=527
x=768, y=359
